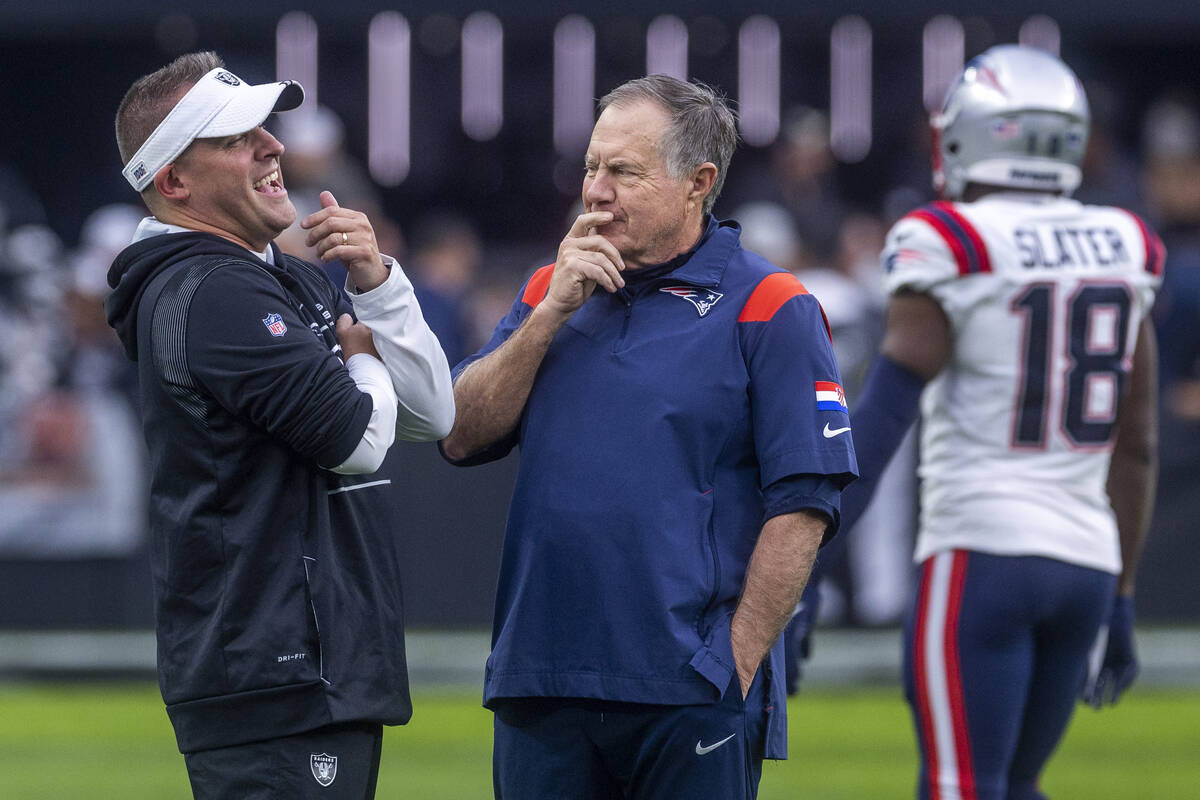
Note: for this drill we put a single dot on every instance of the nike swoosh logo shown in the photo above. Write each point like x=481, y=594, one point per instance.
x=829, y=434
x=702, y=750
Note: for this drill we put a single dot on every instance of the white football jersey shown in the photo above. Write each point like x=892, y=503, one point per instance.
x=1044, y=296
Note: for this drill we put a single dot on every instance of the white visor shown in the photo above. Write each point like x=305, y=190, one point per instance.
x=220, y=104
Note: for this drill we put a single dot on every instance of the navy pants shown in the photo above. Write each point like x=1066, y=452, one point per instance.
x=336, y=762
x=568, y=749
x=995, y=656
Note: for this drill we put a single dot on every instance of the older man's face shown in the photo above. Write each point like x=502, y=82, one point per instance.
x=627, y=175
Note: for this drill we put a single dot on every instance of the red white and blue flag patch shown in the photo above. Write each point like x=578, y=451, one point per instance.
x=275, y=324
x=830, y=397
x=1004, y=130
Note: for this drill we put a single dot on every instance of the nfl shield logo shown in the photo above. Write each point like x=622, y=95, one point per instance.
x=324, y=767
x=139, y=172
x=275, y=325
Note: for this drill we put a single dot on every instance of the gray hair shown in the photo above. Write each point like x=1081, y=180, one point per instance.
x=702, y=127
x=151, y=98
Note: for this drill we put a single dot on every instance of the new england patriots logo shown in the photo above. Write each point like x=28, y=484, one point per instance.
x=702, y=299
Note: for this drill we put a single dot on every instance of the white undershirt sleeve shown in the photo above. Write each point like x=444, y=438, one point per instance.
x=371, y=376
x=412, y=354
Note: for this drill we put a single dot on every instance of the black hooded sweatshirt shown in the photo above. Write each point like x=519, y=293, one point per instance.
x=276, y=581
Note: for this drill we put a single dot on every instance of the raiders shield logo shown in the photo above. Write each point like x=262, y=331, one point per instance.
x=228, y=77
x=324, y=767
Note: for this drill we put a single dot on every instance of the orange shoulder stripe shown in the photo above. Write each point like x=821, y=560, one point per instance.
x=771, y=293
x=539, y=284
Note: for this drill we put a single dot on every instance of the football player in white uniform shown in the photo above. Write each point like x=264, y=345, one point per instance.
x=1016, y=328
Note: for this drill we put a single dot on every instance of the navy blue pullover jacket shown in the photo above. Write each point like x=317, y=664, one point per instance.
x=657, y=419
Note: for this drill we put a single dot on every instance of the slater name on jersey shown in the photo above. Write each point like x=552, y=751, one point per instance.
x=1070, y=248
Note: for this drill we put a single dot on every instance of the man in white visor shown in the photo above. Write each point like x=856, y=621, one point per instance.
x=266, y=409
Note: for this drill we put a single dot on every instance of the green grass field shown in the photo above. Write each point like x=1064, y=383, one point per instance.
x=100, y=741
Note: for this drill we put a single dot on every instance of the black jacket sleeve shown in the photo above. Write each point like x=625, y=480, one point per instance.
x=247, y=345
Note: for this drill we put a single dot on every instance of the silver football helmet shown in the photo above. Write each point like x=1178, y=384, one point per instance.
x=1016, y=117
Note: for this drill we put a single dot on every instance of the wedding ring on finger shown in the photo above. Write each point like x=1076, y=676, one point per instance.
x=345, y=238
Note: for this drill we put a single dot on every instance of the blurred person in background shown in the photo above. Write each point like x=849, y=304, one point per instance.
x=63, y=489
x=1113, y=172
x=906, y=176
x=266, y=407
x=1171, y=143
x=876, y=554
x=863, y=577
x=1171, y=179
x=32, y=329
x=76, y=487
x=490, y=300
x=446, y=253
x=31, y=267
x=674, y=483
x=317, y=160
x=95, y=358
x=1018, y=328
x=800, y=175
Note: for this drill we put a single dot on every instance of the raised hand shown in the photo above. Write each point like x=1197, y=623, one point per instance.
x=585, y=260
x=346, y=235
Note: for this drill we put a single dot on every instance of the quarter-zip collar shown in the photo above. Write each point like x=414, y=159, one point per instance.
x=719, y=240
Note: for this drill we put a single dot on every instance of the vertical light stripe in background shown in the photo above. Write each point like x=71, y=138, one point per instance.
x=1040, y=31
x=389, y=47
x=482, y=76
x=574, y=84
x=667, y=47
x=296, y=54
x=850, y=89
x=758, y=80
x=942, y=59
